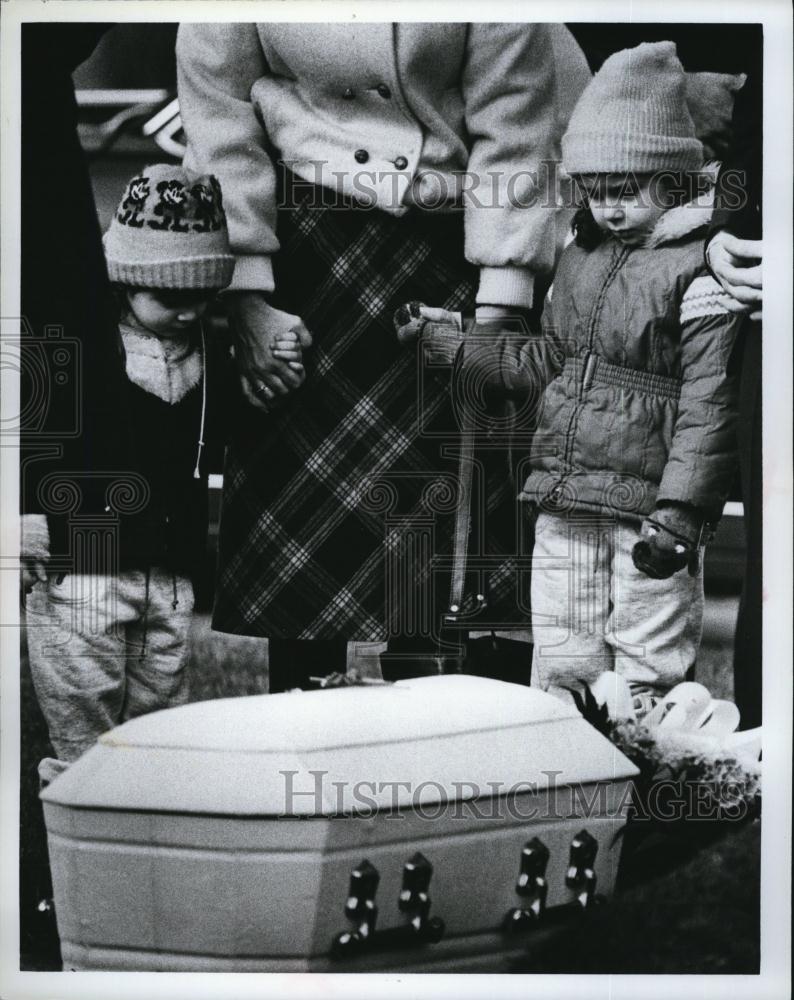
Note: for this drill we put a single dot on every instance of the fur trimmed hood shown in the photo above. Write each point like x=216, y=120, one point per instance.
x=684, y=219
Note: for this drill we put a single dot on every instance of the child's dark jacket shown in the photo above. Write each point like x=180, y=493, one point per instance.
x=640, y=403
x=165, y=400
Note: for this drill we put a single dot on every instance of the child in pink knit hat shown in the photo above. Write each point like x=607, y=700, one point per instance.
x=632, y=382
x=108, y=640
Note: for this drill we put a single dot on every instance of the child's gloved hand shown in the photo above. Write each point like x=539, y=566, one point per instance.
x=440, y=330
x=35, y=552
x=670, y=540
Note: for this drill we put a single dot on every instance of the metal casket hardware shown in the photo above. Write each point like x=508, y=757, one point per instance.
x=531, y=885
x=414, y=901
x=580, y=875
x=360, y=908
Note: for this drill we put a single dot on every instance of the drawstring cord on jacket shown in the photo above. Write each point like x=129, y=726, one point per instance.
x=145, y=611
x=196, y=473
x=145, y=622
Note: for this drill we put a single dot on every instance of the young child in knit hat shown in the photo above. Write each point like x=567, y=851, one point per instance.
x=633, y=389
x=108, y=642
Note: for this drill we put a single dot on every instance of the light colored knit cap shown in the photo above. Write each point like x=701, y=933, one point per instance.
x=633, y=117
x=169, y=231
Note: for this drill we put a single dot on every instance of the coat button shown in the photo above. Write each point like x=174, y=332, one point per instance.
x=348, y=94
x=361, y=155
x=430, y=188
x=401, y=163
x=384, y=91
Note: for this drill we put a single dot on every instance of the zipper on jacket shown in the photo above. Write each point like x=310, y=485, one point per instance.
x=590, y=361
x=589, y=370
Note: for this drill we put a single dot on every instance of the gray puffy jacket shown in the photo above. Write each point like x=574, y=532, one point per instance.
x=639, y=404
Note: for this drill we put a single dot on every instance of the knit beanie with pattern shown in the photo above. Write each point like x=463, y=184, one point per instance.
x=169, y=231
x=633, y=117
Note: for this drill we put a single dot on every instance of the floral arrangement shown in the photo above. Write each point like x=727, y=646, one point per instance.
x=693, y=764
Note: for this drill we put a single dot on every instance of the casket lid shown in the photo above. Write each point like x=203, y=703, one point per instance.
x=436, y=738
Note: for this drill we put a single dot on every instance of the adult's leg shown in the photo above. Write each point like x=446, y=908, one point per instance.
x=320, y=496
x=414, y=656
x=570, y=601
x=293, y=662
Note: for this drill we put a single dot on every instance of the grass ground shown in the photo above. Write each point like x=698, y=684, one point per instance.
x=663, y=919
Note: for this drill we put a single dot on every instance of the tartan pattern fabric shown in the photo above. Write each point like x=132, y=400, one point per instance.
x=338, y=509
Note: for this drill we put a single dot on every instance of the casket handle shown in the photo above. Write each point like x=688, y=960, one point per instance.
x=580, y=875
x=360, y=908
x=414, y=901
x=531, y=885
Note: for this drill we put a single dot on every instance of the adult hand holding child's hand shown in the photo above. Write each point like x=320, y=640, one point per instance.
x=440, y=330
x=268, y=348
x=495, y=339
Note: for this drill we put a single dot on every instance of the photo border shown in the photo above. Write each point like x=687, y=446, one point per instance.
x=776, y=16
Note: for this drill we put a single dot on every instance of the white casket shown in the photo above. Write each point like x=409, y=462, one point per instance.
x=437, y=822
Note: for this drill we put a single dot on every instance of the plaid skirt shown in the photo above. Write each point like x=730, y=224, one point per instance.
x=338, y=509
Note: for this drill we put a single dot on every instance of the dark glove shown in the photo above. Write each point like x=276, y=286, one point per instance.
x=501, y=359
x=408, y=321
x=440, y=331
x=670, y=540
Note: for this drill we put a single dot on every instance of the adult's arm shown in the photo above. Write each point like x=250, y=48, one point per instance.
x=520, y=82
x=217, y=64
x=733, y=248
x=701, y=464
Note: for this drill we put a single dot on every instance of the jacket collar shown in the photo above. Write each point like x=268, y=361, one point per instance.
x=684, y=219
x=167, y=368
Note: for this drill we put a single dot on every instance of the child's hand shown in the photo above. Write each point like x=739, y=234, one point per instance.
x=34, y=553
x=670, y=539
x=441, y=331
x=33, y=571
x=256, y=327
x=415, y=319
x=287, y=347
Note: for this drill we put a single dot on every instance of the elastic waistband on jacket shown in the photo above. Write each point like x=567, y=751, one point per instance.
x=598, y=370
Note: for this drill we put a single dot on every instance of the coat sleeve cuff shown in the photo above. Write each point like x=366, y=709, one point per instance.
x=506, y=286
x=252, y=274
x=683, y=491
